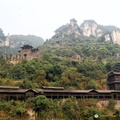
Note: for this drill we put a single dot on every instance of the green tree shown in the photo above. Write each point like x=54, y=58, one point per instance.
x=54, y=73
x=117, y=114
x=111, y=104
x=42, y=106
x=18, y=72
x=20, y=111
x=71, y=109
x=92, y=85
x=89, y=112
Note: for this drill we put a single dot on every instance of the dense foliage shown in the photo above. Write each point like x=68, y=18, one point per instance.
x=50, y=109
x=56, y=71
x=84, y=46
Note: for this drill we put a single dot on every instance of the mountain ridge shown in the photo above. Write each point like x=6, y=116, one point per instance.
x=10, y=44
x=89, y=40
x=89, y=28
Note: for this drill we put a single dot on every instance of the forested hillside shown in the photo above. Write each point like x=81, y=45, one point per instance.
x=56, y=71
x=70, y=40
x=83, y=46
x=57, y=67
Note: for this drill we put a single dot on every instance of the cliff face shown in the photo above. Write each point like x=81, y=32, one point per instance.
x=69, y=29
x=90, y=27
x=113, y=36
x=87, y=28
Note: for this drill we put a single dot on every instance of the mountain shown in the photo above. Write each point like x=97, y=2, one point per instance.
x=89, y=28
x=86, y=40
x=17, y=41
x=20, y=40
x=10, y=44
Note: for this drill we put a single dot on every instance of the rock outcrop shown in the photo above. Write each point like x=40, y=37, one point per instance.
x=90, y=27
x=71, y=28
x=87, y=28
x=107, y=37
x=114, y=36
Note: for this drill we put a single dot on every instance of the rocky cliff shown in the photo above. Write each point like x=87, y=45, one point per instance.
x=71, y=28
x=89, y=28
x=113, y=36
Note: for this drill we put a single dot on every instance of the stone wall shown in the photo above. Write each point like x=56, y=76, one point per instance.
x=28, y=54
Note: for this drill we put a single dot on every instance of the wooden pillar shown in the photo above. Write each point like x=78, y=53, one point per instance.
x=103, y=96
x=8, y=97
x=57, y=95
x=17, y=97
x=115, y=87
x=98, y=96
x=63, y=96
x=51, y=95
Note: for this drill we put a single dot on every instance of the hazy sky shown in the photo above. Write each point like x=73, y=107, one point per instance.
x=43, y=17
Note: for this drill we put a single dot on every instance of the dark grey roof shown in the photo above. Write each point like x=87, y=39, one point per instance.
x=74, y=91
x=63, y=91
x=113, y=82
x=55, y=91
x=13, y=91
x=8, y=87
x=105, y=91
x=116, y=68
x=17, y=91
x=113, y=73
x=53, y=88
x=26, y=47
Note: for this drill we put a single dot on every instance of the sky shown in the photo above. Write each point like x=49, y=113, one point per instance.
x=43, y=17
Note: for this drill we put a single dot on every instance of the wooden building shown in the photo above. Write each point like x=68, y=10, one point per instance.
x=114, y=78
x=15, y=93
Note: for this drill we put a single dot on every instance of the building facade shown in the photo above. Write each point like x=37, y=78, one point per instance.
x=15, y=93
x=114, y=78
x=27, y=52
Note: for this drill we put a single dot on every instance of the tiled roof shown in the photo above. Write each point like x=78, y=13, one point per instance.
x=17, y=91
x=53, y=88
x=8, y=87
x=113, y=73
x=13, y=91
